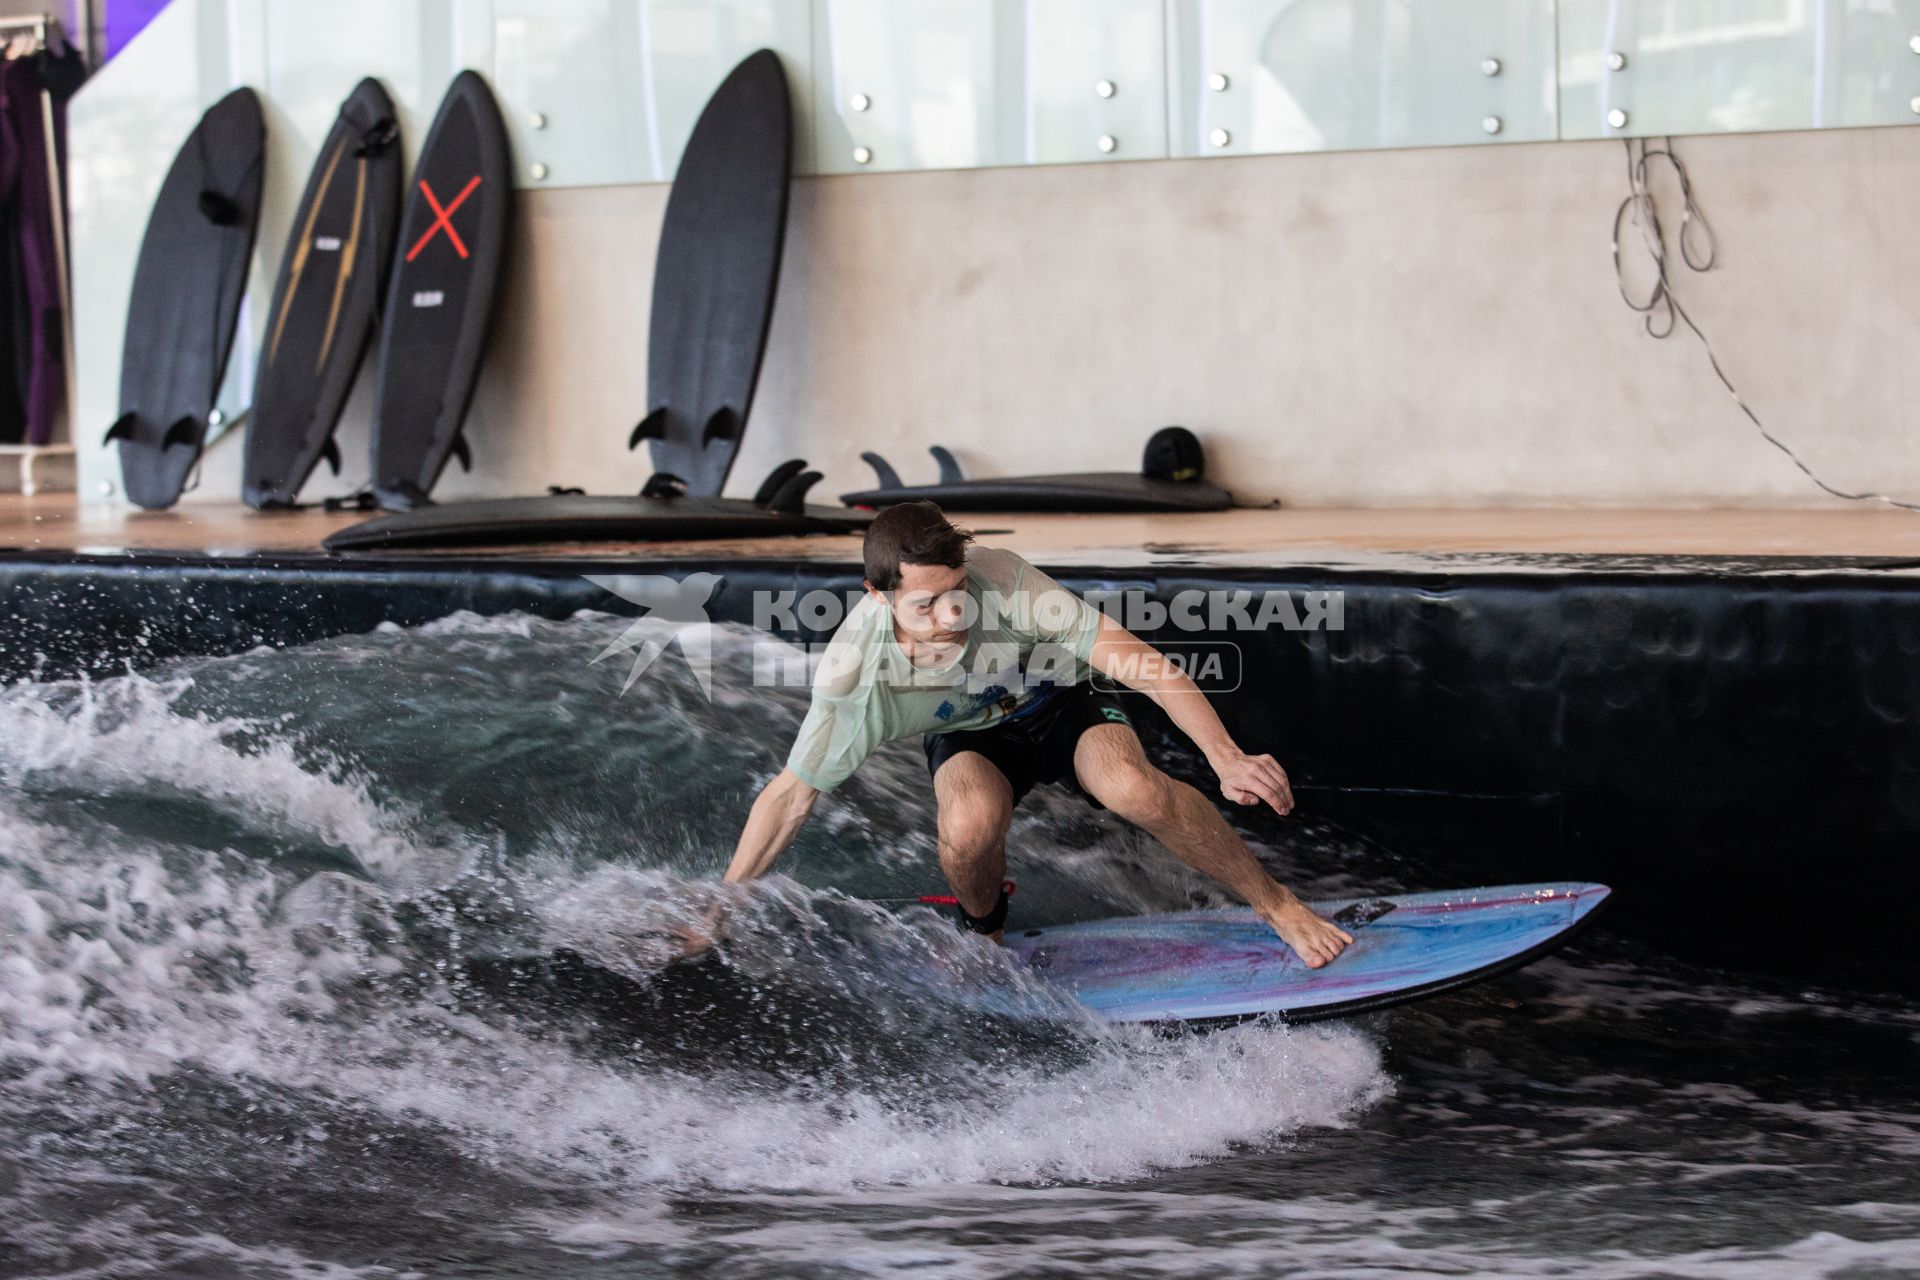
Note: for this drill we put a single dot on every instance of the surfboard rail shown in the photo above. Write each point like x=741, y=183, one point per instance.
x=1209, y=968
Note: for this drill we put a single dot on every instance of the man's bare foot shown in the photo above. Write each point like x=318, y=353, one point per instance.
x=1313, y=938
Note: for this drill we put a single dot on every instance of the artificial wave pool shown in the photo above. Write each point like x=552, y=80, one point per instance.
x=344, y=959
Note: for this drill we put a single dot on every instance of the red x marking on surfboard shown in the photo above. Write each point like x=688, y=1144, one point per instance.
x=443, y=218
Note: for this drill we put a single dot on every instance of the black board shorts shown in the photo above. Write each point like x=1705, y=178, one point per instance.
x=1034, y=746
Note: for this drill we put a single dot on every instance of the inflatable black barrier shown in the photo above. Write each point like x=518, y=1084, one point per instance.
x=1736, y=749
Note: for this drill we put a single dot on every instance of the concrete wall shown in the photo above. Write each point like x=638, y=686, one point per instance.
x=1432, y=327
x=1372, y=328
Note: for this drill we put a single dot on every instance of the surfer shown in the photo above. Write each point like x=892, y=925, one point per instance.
x=984, y=657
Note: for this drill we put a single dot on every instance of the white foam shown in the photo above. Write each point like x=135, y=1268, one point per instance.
x=1002, y=1232
x=123, y=964
x=125, y=1240
x=124, y=736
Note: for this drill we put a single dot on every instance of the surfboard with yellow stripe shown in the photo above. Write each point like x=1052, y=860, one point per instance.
x=326, y=298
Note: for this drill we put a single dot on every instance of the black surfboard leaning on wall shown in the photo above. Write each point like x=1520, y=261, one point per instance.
x=717, y=271
x=1172, y=477
x=187, y=287
x=326, y=300
x=442, y=294
x=715, y=276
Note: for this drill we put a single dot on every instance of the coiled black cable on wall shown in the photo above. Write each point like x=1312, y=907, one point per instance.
x=1697, y=250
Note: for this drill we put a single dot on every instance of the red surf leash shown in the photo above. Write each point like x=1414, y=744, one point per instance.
x=948, y=900
x=943, y=899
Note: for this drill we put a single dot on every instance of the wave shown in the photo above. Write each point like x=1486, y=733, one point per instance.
x=190, y=891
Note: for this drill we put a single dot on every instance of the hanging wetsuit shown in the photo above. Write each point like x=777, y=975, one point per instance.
x=35, y=318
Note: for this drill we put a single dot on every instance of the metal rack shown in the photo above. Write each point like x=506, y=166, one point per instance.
x=37, y=26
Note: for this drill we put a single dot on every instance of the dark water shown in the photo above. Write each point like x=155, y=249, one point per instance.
x=344, y=961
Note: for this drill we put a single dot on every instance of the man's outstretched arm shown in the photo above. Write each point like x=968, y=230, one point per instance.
x=777, y=815
x=1244, y=779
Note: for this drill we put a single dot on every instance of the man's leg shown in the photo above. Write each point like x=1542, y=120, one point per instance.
x=976, y=808
x=1110, y=764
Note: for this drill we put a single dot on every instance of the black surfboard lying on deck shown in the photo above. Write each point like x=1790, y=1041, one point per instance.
x=714, y=284
x=326, y=299
x=776, y=511
x=187, y=288
x=440, y=302
x=1171, y=478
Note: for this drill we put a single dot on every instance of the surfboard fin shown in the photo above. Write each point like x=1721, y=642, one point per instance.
x=651, y=427
x=462, y=452
x=949, y=469
x=330, y=454
x=219, y=208
x=882, y=470
x=664, y=484
x=185, y=431
x=123, y=428
x=777, y=478
x=723, y=425
x=791, y=498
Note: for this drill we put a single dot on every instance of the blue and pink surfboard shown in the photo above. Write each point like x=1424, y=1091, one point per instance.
x=1201, y=966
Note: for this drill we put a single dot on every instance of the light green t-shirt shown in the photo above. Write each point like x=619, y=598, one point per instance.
x=1029, y=630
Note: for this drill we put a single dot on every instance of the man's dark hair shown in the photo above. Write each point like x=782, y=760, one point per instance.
x=911, y=533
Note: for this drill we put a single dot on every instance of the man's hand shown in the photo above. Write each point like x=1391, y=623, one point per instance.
x=697, y=937
x=1246, y=779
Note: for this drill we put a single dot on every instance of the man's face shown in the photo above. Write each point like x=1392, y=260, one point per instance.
x=931, y=606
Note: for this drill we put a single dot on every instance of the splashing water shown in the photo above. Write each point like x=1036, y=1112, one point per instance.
x=348, y=960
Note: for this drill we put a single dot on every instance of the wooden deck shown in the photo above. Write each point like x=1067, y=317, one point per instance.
x=57, y=524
